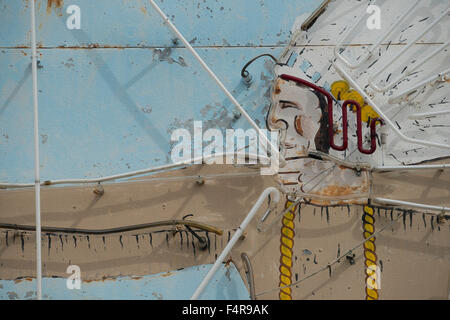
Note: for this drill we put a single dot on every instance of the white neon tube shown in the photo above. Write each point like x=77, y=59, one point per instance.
x=417, y=65
x=374, y=46
x=376, y=74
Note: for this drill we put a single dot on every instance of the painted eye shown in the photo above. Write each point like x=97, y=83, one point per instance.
x=289, y=104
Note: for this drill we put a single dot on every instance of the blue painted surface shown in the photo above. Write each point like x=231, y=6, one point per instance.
x=104, y=111
x=176, y=285
x=134, y=23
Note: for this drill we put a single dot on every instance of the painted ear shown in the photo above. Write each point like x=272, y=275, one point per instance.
x=298, y=125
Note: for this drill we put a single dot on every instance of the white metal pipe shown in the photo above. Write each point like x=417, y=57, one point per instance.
x=215, y=78
x=37, y=184
x=428, y=114
x=412, y=167
x=376, y=74
x=388, y=121
x=131, y=173
x=411, y=204
x=436, y=77
x=235, y=238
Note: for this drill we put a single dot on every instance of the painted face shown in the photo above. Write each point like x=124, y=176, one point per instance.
x=296, y=112
x=300, y=114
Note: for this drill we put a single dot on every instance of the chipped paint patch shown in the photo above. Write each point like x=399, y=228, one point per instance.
x=226, y=284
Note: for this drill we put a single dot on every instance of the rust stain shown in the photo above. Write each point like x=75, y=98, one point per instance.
x=168, y=274
x=334, y=190
x=58, y=4
x=19, y=280
x=277, y=89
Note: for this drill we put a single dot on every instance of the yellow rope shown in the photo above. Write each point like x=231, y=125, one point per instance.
x=370, y=257
x=286, y=245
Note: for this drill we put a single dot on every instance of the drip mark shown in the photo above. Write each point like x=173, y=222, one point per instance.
x=62, y=243
x=137, y=240
x=49, y=243
x=328, y=215
x=181, y=241
x=120, y=240
x=150, y=239
x=75, y=241
x=410, y=219
x=22, y=241
x=89, y=242
x=404, y=220
x=424, y=220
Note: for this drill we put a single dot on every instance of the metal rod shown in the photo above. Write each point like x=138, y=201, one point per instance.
x=370, y=102
x=235, y=238
x=37, y=184
x=131, y=173
x=216, y=79
x=411, y=204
